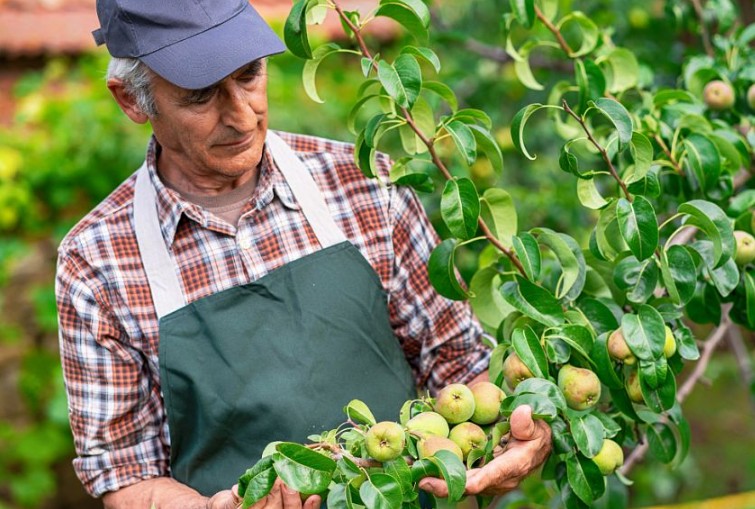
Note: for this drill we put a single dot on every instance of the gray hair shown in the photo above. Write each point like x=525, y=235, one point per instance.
x=137, y=79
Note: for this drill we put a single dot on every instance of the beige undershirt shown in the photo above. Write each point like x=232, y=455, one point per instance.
x=227, y=206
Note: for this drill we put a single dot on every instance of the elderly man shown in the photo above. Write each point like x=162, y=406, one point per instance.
x=242, y=285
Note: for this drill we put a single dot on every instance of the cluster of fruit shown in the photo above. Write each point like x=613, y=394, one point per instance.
x=454, y=424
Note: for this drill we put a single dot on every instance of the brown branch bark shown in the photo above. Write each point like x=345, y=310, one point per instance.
x=554, y=30
x=703, y=29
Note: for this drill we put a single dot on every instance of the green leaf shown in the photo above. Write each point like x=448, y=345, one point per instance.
x=442, y=271
x=709, y=218
x=310, y=69
x=679, y=273
x=618, y=115
x=578, y=337
x=621, y=401
x=498, y=212
x=533, y=301
x=588, y=434
x=409, y=14
x=638, y=225
x=381, y=491
x=687, y=346
x=588, y=30
x=642, y=153
x=621, y=70
x=527, y=346
x=608, y=237
x=524, y=12
x=295, y=30
x=750, y=299
x=400, y=470
x=460, y=207
x=600, y=315
x=662, y=442
x=584, y=478
x=542, y=405
x=517, y=125
x=527, y=250
x=486, y=299
x=402, y=80
x=472, y=116
x=256, y=482
x=661, y=398
x=464, y=140
x=425, y=468
x=425, y=54
x=443, y=91
x=654, y=372
x=604, y=367
x=572, y=272
x=638, y=279
x=725, y=277
x=588, y=194
x=453, y=472
x=359, y=412
x=703, y=160
x=543, y=387
x=364, y=156
x=644, y=332
x=303, y=469
x=489, y=147
x=402, y=173
x=590, y=81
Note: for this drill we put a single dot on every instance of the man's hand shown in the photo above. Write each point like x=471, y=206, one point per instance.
x=280, y=497
x=528, y=448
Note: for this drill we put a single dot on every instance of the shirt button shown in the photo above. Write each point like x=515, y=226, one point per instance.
x=245, y=242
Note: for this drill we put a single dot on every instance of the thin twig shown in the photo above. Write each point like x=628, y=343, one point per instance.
x=742, y=356
x=670, y=156
x=554, y=30
x=704, y=29
x=715, y=338
x=600, y=148
x=429, y=143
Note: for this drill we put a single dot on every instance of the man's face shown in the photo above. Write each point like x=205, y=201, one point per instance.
x=214, y=134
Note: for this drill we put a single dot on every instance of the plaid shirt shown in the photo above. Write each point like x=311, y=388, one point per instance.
x=109, y=329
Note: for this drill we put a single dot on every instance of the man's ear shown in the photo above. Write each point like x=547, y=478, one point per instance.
x=126, y=101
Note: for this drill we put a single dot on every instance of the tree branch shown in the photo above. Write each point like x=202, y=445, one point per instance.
x=715, y=338
x=554, y=30
x=742, y=356
x=703, y=29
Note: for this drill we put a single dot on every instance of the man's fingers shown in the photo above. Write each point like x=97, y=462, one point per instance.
x=522, y=425
x=291, y=498
x=313, y=502
x=434, y=486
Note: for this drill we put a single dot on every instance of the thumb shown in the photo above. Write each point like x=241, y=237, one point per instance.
x=522, y=425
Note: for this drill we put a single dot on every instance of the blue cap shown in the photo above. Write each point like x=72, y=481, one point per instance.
x=190, y=43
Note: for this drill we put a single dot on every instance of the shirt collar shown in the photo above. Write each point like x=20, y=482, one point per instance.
x=171, y=206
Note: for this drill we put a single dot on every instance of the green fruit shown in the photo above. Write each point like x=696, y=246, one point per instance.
x=638, y=18
x=428, y=423
x=745, y=252
x=718, y=95
x=430, y=445
x=515, y=371
x=610, y=457
x=580, y=386
x=385, y=441
x=633, y=387
x=455, y=403
x=468, y=436
x=487, y=402
x=497, y=431
x=669, y=347
x=751, y=97
x=618, y=348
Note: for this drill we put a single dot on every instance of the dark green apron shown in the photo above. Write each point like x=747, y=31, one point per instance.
x=276, y=359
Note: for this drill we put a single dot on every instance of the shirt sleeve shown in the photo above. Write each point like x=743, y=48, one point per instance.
x=114, y=405
x=441, y=338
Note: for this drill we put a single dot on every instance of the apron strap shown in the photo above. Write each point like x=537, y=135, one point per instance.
x=161, y=270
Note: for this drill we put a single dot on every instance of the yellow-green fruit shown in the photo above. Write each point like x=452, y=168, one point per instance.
x=745, y=252
x=581, y=387
x=610, y=457
x=633, y=387
x=430, y=445
x=468, y=436
x=497, y=431
x=428, y=423
x=618, y=348
x=455, y=403
x=638, y=18
x=487, y=402
x=385, y=441
x=515, y=371
x=718, y=95
x=669, y=347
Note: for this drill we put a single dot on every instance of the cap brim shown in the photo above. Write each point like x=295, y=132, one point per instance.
x=206, y=58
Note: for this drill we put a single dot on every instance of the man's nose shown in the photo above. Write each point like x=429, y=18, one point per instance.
x=237, y=110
